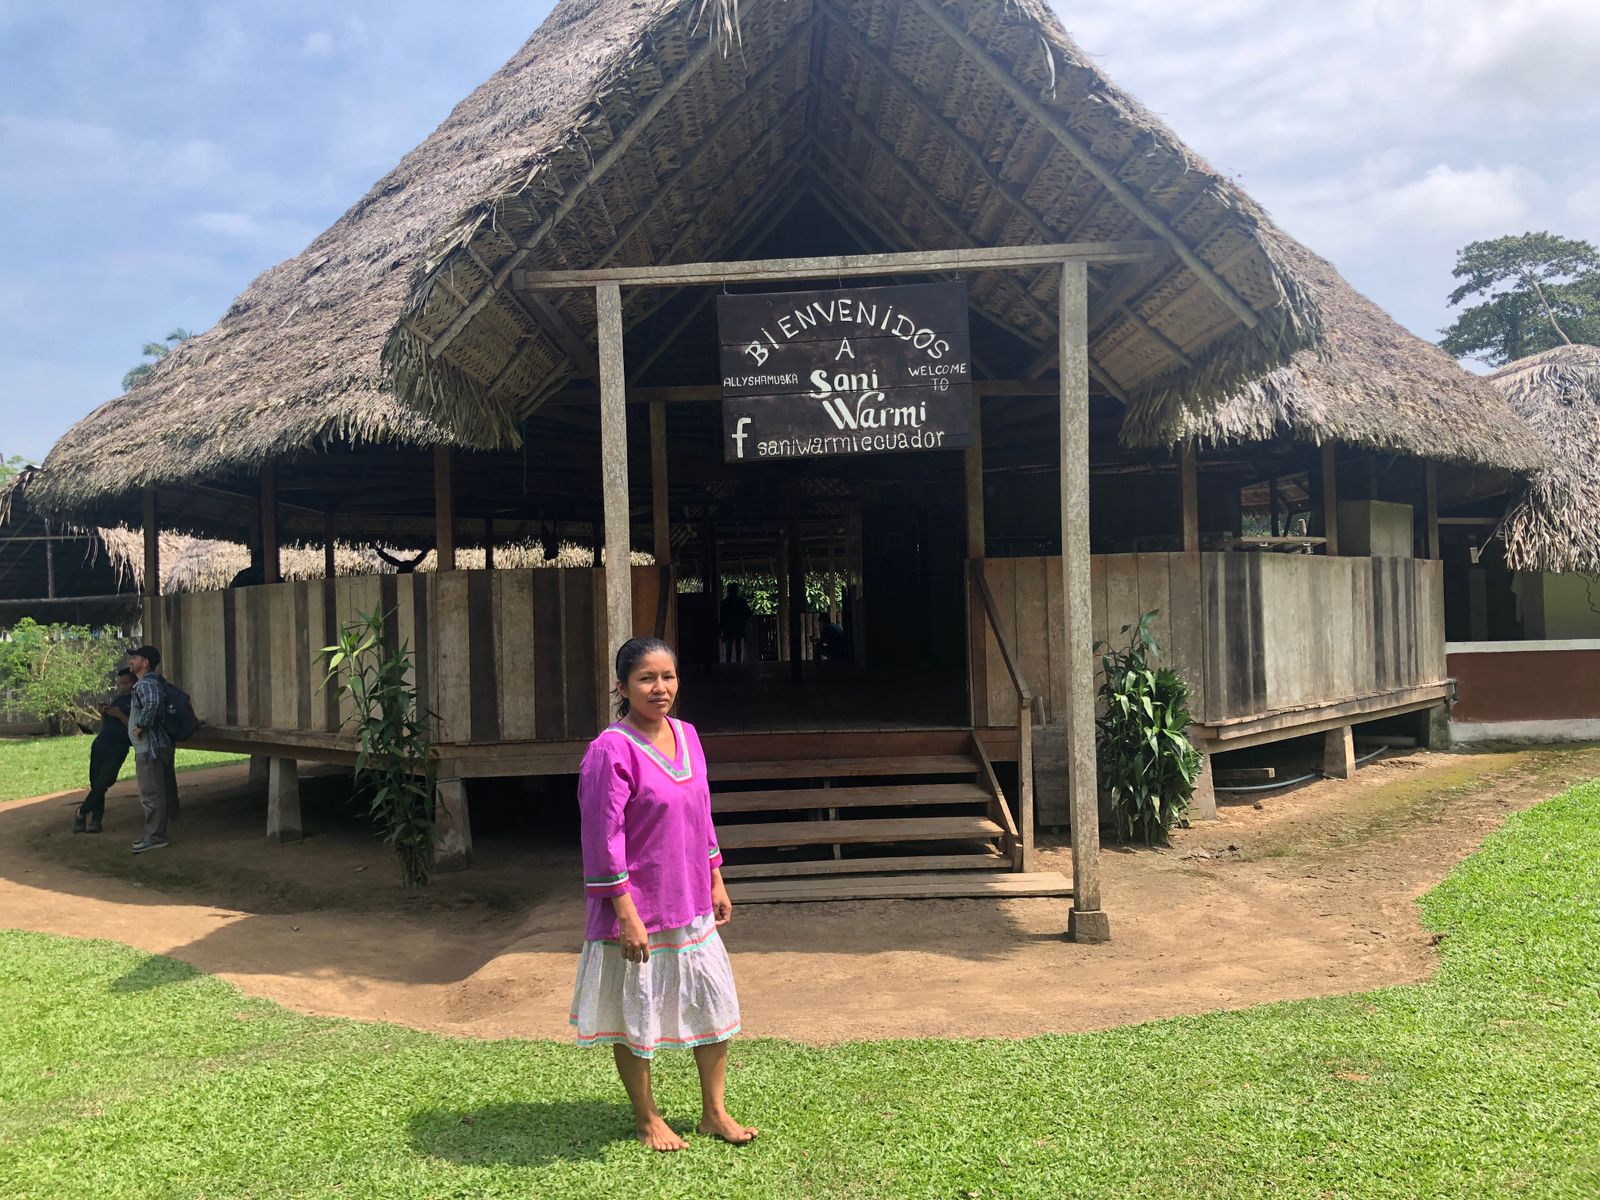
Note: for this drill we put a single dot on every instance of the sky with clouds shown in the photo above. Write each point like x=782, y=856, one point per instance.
x=155, y=157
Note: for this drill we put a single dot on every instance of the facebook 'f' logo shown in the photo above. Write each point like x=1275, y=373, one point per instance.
x=739, y=436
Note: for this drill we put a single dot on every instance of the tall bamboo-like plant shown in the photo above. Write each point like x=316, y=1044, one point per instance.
x=395, y=764
x=1147, y=764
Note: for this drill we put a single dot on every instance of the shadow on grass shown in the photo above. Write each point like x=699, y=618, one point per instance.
x=153, y=972
x=522, y=1135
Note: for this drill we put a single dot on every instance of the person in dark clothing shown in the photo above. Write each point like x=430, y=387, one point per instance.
x=732, y=618
x=107, y=753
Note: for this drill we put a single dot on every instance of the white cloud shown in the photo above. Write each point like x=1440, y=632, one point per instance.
x=318, y=44
x=1583, y=202
x=1475, y=201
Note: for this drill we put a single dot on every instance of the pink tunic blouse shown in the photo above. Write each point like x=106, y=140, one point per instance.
x=646, y=830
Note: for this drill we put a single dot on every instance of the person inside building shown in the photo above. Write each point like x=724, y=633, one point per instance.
x=107, y=753
x=153, y=749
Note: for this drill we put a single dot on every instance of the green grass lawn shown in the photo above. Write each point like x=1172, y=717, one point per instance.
x=38, y=766
x=126, y=1075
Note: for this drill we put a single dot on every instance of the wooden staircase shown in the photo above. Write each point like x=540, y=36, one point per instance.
x=898, y=822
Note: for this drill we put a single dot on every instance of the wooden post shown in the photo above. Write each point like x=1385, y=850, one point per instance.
x=1025, y=788
x=444, y=507
x=330, y=558
x=660, y=517
x=1430, y=484
x=152, y=569
x=49, y=562
x=1330, y=499
x=614, y=469
x=1189, y=467
x=1085, y=922
x=283, y=800
x=269, y=526
x=1203, y=804
x=488, y=543
x=1338, y=753
x=1272, y=503
x=454, y=849
x=973, y=458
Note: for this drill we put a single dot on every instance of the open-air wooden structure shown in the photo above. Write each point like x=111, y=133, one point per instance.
x=512, y=337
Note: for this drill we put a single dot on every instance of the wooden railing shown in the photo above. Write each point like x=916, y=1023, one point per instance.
x=1019, y=831
x=498, y=655
x=1254, y=634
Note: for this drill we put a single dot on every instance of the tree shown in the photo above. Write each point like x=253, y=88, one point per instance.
x=55, y=671
x=1538, y=291
x=155, y=351
x=9, y=467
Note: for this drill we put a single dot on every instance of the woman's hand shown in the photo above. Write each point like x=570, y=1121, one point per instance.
x=635, y=941
x=721, y=906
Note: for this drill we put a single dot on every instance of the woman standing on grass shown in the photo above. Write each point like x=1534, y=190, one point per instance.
x=654, y=973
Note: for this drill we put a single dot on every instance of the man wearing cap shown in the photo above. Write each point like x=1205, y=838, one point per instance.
x=153, y=750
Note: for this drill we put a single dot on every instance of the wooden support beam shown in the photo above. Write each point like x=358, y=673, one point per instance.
x=152, y=569
x=270, y=572
x=614, y=470
x=283, y=799
x=1086, y=922
x=1330, y=499
x=49, y=563
x=973, y=461
x=1052, y=121
x=1430, y=503
x=330, y=563
x=660, y=517
x=488, y=543
x=444, y=507
x=603, y=162
x=1189, y=469
x=838, y=266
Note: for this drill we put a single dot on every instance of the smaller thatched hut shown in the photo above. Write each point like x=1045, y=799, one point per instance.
x=1532, y=606
x=54, y=570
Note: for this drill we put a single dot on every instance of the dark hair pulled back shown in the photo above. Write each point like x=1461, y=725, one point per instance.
x=633, y=652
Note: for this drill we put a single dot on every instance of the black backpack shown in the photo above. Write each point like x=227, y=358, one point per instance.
x=177, y=713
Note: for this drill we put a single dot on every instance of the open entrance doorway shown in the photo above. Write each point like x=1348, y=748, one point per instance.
x=826, y=597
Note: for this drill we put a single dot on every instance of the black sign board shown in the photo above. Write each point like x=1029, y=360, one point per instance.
x=846, y=371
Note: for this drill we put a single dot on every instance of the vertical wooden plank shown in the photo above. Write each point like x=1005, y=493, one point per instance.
x=1122, y=595
x=1054, y=686
x=514, y=648
x=587, y=680
x=1186, y=628
x=1213, y=589
x=300, y=648
x=452, y=656
x=614, y=468
x=1002, y=576
x=977, y=647
x=1086, y=922
x=1031, y=604
x=230, y=648
x=423, y=648
x=483, y=688
x=258, y=607
x=330, y=636
x=1189, y=497
x=549, y=686
x=1155, y=595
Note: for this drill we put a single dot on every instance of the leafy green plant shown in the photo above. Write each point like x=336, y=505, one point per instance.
x=56, y=672
x=395, y=764
x=1147, y=764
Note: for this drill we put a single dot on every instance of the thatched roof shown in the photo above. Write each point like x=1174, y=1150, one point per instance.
x=1372, y=383
x=1554, y=525
x=649, y=131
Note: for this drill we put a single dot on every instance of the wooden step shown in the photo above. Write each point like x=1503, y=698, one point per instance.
x=848, y=832
x=844, y=768
x=903, y=887
x=785, y=800
x=868, y=866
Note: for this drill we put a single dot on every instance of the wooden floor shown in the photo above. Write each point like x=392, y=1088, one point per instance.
x=762, y=698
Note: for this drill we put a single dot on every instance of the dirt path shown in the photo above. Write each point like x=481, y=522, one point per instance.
x=1310, y=894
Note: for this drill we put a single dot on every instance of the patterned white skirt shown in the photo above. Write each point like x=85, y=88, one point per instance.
x=681, y=996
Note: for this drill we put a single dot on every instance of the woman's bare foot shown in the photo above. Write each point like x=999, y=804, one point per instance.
x=721, y=1125
x=657, y=1134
